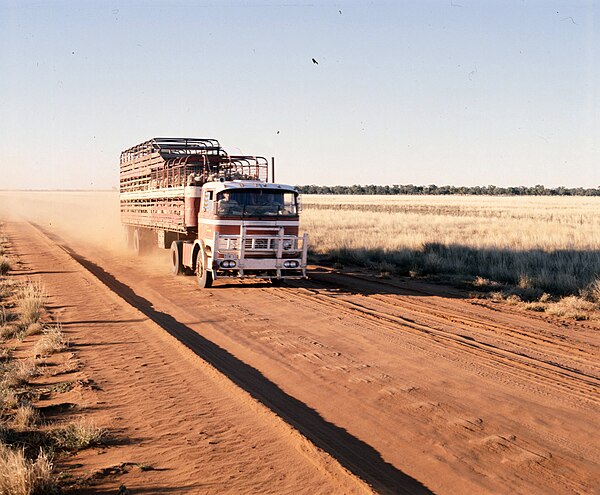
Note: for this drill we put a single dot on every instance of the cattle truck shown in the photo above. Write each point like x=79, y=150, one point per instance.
x=217, y=213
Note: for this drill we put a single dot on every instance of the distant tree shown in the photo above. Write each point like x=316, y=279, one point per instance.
x=410, y=189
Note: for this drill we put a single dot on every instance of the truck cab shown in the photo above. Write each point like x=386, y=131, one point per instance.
x=247, y=229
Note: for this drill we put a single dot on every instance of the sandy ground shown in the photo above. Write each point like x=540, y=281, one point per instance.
x=412, y=387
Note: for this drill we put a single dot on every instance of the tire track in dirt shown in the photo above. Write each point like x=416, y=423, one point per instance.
x=546, y=372
x=360, y=375
x=353, y=454
x=540, y=334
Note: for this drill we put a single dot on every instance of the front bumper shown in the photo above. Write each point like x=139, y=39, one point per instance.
x=258, y=256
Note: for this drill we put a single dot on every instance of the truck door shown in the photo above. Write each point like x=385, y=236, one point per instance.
x=208, y=203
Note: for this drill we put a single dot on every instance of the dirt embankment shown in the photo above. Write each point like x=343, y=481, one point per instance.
x=412, y=387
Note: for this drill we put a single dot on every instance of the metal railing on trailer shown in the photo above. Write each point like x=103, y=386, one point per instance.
x=171, y=148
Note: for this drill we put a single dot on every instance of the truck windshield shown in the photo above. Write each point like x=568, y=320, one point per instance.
x=256, y=202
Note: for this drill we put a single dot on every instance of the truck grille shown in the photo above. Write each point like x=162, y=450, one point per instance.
x=259, y=244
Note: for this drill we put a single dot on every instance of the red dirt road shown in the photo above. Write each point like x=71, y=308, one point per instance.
x=166, y=408
x=411, y=387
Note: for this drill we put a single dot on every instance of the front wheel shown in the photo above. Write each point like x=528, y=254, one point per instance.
x=204, y=277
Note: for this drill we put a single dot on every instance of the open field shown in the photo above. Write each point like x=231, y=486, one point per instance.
x=546, y=244
x=313, y=386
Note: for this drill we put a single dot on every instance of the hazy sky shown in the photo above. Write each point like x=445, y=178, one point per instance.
x=447, y=92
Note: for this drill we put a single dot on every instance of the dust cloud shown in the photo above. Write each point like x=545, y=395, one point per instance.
x=88, y=217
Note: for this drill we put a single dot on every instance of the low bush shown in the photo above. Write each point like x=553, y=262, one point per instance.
x=51, y=341
x=22, y=476
x=31, y=303
x=19, y=373
x=78, y=435
x=5, y=265
x=26, y=416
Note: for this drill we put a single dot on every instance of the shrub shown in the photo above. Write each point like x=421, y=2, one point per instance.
x=6, y=287
x=31, y=303
x=5, y=265
x=7, y=332
x=572, y=307
x=21, y=476
x=26, y=416
x=19, y=373
x=5, y=354
x=51, y=341
x=78, y=435
x=8, y=399
x=592, y=291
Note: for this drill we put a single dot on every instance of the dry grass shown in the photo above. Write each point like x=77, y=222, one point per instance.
x=21, y=476
x=78, y=435
x=19, y=373
x=30, y=300
x=24, y=471
x=34, y=329
x=26, y=416
x=4, y=317
x=5, y=265
x=51, y=341
x=8, y=398
x=6, y=287
x=550, y=244
x=571, y=307
x=5, y=354
x=592, y=291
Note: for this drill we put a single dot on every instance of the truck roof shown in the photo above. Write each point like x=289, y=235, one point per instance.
x=249, y=184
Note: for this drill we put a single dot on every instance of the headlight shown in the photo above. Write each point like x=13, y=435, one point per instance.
x=290, y=264
x=227, y=263
x=288, y=244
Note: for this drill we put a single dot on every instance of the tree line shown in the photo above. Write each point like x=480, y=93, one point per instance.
x=411, y=189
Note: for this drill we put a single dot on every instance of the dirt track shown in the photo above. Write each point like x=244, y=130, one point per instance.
x=409, y=386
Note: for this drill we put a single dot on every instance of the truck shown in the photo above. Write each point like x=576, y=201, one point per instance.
x=219, y=214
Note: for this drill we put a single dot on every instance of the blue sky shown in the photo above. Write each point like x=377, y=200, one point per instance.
x=447, y=92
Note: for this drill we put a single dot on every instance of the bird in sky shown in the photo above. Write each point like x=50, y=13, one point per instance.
x=315, y=62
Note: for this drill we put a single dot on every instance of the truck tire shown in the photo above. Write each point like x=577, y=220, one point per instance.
x=177, y=267
x=128, y=236
x=203, y=276
x=136, y=243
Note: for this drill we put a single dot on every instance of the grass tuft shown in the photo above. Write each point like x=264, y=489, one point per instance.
x=572, y=307
x=8, y=398
x=51, y=341
x=26, y=416
x=19, y=373
x=31, y=302
x=22, y=476
x=5, y=265
x=79, y=435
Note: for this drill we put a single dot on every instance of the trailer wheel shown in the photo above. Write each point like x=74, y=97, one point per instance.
x=204, y=277
x=137, y=241
x=177, y=267
x=128, y=236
